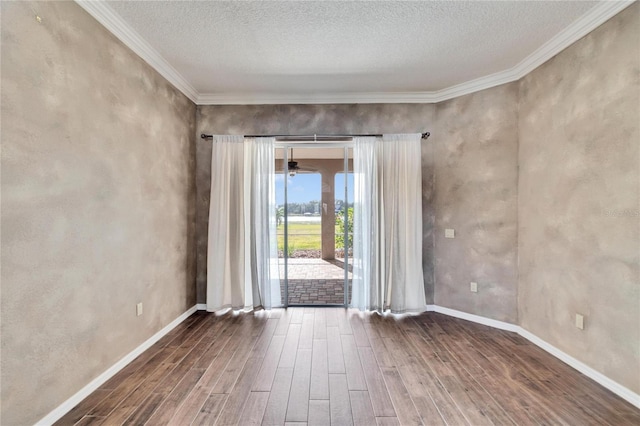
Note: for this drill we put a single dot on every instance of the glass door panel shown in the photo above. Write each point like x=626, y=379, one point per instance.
x=312, y=202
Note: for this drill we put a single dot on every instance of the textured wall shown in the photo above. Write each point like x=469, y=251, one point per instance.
x=579, y=184
x=309, y=119
x=476, y=153
x=97, y=204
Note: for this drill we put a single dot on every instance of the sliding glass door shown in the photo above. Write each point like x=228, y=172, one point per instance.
x=314, y=196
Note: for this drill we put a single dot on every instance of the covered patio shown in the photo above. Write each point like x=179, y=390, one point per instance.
x=314, y=281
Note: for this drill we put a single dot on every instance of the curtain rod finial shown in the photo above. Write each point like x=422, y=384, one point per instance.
x=426, y=135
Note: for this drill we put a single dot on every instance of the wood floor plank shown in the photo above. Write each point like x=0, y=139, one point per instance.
x=264, y=341
x=171, y=380
x=429, y=368
x=461, y=391
x=108, y=404
x=425, y=393
x=361, y=408
x=429, y=396
x=359, y=333
x=353, y=368
x=380, y=400
x=383, y=357
x=385, y=326
x=527, y=390
x=235, y=404
x=211, y=409
x=290, y=349
x=276, y=411
x=405, y=410
x=463, y=366
x=144, y=411
x=523, y=398
x=583, y=390
x=167, y=409
x=151, y=353
x=253, y=411
x=235, y=365
x=320, y=324
x=274, y=313
x=339, y=402
x=297, y=315
x=343, y=321
x=332, y=316
x=264, y=381
x=319, y=386
x=306, y=332
x=196, y=399
x=136, y=409
x=79, y=411
x=319, y=413
x=91, y=421
x=283, y=324
x=170, y=405
x=387, y=421
x=510, y=389
x=335, y=358
x=298, y=406
x=218, y=343
x=131, y=403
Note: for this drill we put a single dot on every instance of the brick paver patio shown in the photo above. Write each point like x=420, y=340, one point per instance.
x=314, y=282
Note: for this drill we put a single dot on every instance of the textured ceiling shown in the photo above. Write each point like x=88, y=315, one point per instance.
x=321, y=46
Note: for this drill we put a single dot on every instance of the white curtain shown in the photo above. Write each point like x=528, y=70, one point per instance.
x=387, y=265
x=242, y=268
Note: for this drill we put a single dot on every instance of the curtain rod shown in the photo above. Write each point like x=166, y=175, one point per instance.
x=425, y=135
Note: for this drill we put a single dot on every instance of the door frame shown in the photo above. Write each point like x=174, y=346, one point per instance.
x=285, y=146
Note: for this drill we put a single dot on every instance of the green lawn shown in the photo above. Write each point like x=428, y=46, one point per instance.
x=302, y=236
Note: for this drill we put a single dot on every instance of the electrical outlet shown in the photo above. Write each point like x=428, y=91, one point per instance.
x=580, y=321
x=449, y=233
x=473, y=287
x=139, y=309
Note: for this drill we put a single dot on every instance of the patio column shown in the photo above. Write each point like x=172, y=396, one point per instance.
x=328, y=214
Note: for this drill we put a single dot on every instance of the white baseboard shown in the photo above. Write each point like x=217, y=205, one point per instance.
x=615, y=387
x=66, y=406
x=474, y=318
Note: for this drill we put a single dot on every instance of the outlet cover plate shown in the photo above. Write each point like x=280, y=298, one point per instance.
x=449, y=233
x=580, y=321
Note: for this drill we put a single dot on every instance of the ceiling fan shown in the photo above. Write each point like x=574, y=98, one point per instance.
x=292, y=166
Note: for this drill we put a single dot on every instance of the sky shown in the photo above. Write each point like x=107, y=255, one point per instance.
x=305, y=187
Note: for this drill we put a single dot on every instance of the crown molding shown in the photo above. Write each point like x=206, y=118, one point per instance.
x=588, y=22
x=315, y=98
x=595, y=17
x=578, y=29
x=113, y=22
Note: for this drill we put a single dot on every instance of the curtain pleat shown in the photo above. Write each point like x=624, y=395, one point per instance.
x=262, y=222
x=387, y=266
x=242, y=245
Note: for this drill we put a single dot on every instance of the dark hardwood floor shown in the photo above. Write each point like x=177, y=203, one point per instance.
x=321, y=366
